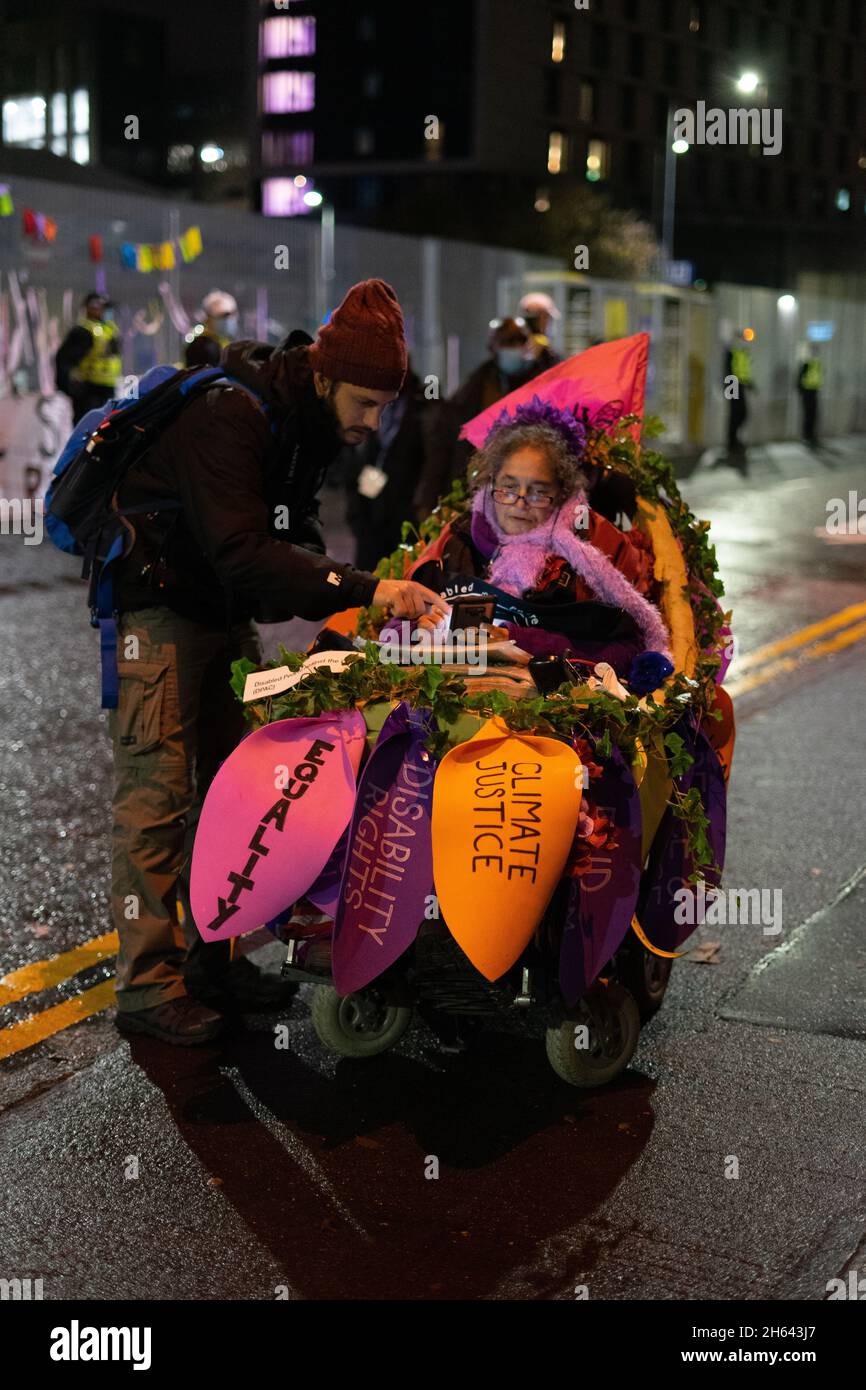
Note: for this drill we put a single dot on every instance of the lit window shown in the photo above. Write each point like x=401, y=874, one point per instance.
x=24, y=122
x=80, y=112
x=434, y=146
x=58, y=123
x=557, y=48
x=81, y=149
x=289, y=91
x=283, y=198
x=843, y=199
x=597, y=160
x=288, y=37
x=364, y=141
x=281, y=147
x=372, y=84
x=556, y=152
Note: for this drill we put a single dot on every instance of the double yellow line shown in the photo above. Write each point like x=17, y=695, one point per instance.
x=45, y=974
x=766, y=663
x=831, y=634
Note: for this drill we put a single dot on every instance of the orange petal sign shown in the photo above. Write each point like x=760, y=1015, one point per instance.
x=505, y=807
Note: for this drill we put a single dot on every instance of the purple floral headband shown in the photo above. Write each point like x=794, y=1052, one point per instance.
x=539, y=412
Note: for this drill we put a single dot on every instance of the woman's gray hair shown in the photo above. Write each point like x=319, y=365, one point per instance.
x=486, y=464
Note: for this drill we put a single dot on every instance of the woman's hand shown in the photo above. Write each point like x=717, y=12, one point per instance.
x=405, y=599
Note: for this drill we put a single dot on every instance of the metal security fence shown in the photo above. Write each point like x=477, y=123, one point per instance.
x=689, y=332
x=448, y=290
x=289, y=272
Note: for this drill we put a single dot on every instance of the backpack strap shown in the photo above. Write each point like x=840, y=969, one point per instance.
x=103, y=613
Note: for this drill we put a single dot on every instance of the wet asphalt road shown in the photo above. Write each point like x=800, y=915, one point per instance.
x=262, y=1168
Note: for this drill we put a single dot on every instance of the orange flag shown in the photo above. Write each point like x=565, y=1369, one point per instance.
x=505, y=808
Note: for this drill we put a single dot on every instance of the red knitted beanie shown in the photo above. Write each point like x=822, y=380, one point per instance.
x=363, y=343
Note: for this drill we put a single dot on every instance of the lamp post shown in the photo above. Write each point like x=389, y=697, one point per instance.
x=673, y=150
x=314, y=199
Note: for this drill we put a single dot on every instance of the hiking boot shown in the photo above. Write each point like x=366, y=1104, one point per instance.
x=182, y=1021
x=245, y=989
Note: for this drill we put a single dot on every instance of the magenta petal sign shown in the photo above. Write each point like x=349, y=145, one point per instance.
x=271, y=818
x=389, y=865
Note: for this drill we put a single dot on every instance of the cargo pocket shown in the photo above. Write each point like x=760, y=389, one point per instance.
x=137, y=723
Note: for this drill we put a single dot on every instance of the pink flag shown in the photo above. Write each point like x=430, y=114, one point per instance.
x=271, y=818
x=610, y=372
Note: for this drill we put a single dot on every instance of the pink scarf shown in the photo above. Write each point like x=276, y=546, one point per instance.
x=519, y=560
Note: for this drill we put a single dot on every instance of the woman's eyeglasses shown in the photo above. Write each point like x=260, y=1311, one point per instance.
x=533, y=496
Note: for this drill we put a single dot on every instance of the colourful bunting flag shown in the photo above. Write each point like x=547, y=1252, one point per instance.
x=7, y=207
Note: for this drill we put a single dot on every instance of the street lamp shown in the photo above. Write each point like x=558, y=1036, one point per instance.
x=748, y=82
x=672, y=148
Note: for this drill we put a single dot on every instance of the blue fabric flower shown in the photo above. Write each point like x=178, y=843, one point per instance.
x=648, y=671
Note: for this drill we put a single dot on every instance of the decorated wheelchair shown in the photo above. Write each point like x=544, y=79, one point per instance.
x=473, y=843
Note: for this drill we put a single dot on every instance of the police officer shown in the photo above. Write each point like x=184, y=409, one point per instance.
x=809, y=384
x=738, y=365
x=88, y=362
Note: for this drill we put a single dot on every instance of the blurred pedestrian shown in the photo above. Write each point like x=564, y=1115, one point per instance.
x=219, y=329
x=511, y=363
x=809, y=383
x=738, y=383
x=246, y=465
x=88, y=362
x=538, y=312
x=382, y=473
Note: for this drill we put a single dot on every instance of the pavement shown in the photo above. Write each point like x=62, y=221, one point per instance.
x=727, y=1163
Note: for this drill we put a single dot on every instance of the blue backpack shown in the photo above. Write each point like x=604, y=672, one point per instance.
x=81, y=512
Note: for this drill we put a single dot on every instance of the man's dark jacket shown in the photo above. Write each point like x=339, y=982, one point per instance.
x=226, y=556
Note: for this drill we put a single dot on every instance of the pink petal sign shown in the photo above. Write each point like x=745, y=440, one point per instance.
x=271, y=819
x=608, y=372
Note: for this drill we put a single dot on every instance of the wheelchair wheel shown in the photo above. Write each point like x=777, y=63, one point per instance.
x=357, y=1025
x=644, y=974
x=611, y=1018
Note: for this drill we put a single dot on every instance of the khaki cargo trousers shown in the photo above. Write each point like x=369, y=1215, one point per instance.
x=176, y=720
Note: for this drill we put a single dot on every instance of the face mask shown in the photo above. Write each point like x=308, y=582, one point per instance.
x=510, y=360
x=229, y=326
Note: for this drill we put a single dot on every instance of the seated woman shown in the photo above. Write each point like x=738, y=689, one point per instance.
x=566, y=580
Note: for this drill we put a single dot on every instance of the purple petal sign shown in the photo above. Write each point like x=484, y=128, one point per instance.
x=601, y=902
x=389, y=864
x=669, y=864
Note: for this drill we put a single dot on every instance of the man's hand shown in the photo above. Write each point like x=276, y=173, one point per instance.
x=405, y=599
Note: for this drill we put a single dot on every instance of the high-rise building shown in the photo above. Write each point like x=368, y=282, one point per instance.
x=148, y=90
x=488, y=116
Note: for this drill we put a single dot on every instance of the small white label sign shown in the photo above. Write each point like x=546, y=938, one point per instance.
x=260, y=685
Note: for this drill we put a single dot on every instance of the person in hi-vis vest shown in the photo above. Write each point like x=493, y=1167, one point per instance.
x=738, y=383
x=809, y=383
x=88, y=362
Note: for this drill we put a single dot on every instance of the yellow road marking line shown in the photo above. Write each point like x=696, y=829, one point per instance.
x=44, y=974
x=799, y=638
x=784, y=664
x=38, y=1027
